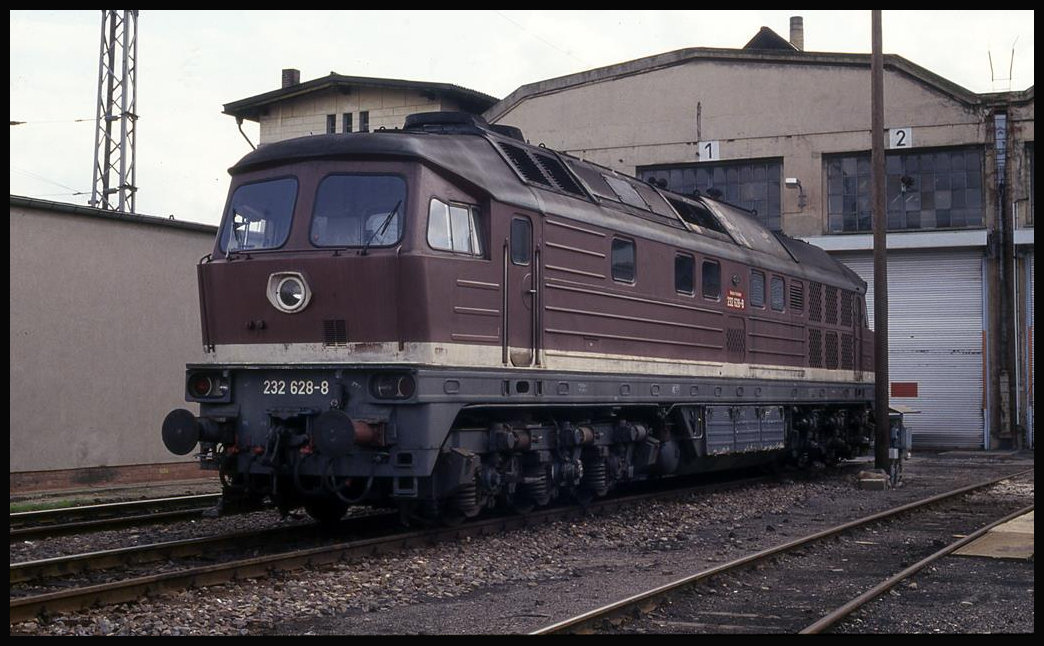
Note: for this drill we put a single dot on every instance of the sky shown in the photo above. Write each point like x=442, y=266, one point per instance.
x=191, y=63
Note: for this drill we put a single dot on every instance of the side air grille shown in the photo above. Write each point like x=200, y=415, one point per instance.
x=830, y=350
x=846, y=308
x=815, y=348
x=335, y=333
x=847, y=351
x=797, y=295
x=734, y=341
x=830, y=306
x=815, y=302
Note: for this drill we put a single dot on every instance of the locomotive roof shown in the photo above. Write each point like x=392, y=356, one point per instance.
x=497, y=160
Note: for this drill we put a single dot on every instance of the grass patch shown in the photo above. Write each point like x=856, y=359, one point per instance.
x=39, y=505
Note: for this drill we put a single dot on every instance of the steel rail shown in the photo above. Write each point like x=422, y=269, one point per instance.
x=843, y=611
x=73, y=599
x=647, y=598
x=52, y=522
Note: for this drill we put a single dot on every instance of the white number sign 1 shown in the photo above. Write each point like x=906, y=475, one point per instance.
x=708, y=151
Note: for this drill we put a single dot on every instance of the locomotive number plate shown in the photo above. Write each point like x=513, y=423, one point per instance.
x=295, y=387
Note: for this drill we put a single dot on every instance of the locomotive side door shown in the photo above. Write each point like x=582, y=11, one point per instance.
x=521, y=307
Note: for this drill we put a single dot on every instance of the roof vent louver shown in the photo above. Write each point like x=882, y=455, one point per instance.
x=525, y=166
x=541, y=168
x=558, y=174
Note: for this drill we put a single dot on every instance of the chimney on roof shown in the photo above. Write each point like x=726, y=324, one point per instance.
x=797, y=33
x=293, y=77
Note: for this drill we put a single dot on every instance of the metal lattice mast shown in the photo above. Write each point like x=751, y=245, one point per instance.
x=113, y=186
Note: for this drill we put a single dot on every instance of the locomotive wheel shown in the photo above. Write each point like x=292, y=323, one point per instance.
x=326, y=512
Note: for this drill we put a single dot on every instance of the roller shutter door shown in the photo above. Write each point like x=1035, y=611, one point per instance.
x=935, y=341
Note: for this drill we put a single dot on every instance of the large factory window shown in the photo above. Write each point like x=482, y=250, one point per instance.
x=684, y=266
x=751, y=184
x=623, y=260
x=1029, y=156
x=930, y=189
x=711, y=279
x=454, y=227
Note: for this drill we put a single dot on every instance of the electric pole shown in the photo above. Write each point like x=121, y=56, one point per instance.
x=877, y=180
x=113, y=185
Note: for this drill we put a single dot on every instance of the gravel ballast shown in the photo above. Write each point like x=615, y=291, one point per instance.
x=527, y=579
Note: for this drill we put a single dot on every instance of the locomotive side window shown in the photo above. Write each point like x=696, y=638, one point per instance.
x=453, y=227
x=684, y=266
x=358, y=211
x=778, y=291
x=521, y=240
x=259, y=214
x=757, y=289
x=711, y=279
x=623, y=260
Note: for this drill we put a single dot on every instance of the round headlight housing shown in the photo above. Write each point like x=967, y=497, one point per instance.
x=288, y=292
x=393, y=386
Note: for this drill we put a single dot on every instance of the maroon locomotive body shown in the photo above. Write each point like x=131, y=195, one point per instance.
x=445, y=319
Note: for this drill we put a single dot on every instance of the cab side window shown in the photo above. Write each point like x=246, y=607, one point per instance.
x=454, y=227
x=684, y=266
x=623, y=260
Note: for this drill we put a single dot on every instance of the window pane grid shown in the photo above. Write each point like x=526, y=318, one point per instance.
x=751, y=185
x=924, y=190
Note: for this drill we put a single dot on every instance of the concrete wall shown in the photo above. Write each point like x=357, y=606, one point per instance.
x=104, y=317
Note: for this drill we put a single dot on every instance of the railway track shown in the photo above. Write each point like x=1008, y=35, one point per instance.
x=782, y=589
x=70, y=583
x=87, y=518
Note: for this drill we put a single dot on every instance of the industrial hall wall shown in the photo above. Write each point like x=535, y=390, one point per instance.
x=104, y=317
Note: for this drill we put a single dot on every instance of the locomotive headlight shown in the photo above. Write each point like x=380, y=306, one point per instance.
x=393, y=386
x=207, y=386
x=288, y=292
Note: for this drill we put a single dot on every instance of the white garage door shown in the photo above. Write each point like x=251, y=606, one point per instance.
x=935, y=341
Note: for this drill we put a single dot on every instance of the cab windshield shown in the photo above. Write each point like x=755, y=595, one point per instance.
x=358, y=211
x=258, y=215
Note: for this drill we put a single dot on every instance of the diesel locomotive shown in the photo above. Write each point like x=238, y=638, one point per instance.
x=445, y=319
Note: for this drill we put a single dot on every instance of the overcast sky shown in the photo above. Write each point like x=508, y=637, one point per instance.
x=191, y=63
